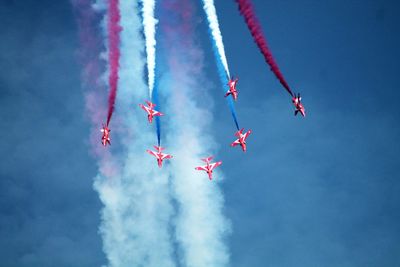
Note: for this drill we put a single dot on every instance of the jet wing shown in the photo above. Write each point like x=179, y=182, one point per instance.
x=152, y=153
x=156, y=113
x=202, y=168
x=246, y=134
x=145, y=108
x=215, y=164
x=235, y=143
x=165, y=156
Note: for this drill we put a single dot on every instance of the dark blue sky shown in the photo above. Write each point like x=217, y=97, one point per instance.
x=319, y=191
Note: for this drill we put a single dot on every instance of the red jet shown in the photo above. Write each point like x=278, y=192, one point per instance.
x=159, y=155
x=298, y=105
x=242, y=139
x=105, y=139
x=209, y=167
x=232, y=89
x=150, y=111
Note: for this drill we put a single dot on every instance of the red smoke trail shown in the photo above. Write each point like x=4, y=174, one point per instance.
x=92, y=68
x=246, y=10
x=113, y=57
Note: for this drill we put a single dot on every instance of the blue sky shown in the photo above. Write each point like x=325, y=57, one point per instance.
x=319, y=191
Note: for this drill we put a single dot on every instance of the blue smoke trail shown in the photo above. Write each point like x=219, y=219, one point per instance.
x=158, y=129
x=223, y=78
x=233, y=112
x=155, y=101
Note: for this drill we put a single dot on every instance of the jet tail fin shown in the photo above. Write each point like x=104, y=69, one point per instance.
x=238, y=133
x=159, y=148
x=150, y=104
x=207, y=159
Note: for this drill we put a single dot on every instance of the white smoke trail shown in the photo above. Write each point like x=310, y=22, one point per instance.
x=200, y=225
x=149, y=25
x=137, y=205
x=212, y=18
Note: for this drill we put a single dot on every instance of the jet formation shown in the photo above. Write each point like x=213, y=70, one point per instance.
x=210, y=166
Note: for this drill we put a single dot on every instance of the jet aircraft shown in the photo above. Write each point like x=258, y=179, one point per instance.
x=150, y=110
x=159, y=155
x=209, y=167
x=105, y=139
x=242, y=139
x=232, y=89
x=298, y=105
